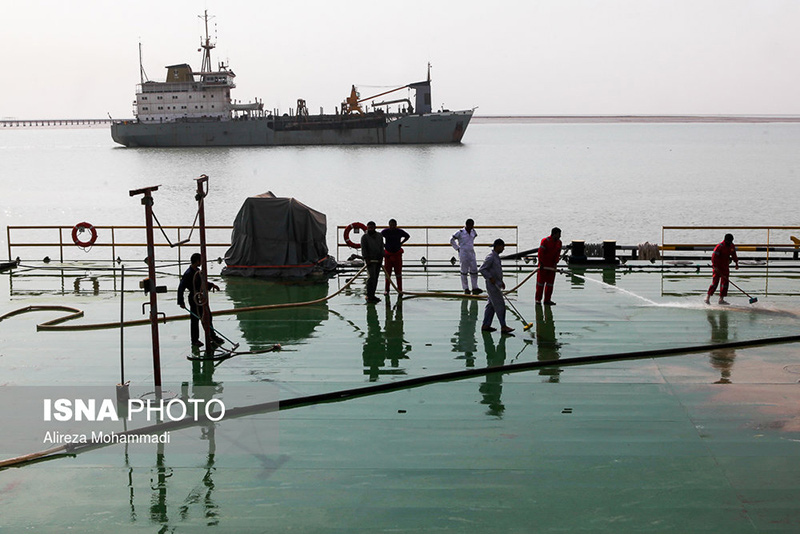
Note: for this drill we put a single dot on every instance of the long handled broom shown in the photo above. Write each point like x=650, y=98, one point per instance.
x=752, y=299
x=526, y=323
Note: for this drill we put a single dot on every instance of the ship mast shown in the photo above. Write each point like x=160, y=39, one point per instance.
x=142, y=73
x=206, y=45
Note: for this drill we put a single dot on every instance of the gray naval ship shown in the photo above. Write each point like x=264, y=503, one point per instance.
x=195, y=109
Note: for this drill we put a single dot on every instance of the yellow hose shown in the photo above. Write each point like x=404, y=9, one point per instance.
x=55, y=324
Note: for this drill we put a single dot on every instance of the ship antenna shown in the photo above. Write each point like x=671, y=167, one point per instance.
x=142, y=73
x=207, y=45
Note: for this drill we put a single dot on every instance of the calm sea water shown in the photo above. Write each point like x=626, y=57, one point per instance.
x=434, y=451
x=596, y=181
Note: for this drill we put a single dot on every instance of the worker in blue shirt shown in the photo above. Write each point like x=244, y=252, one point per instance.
x=492, y=271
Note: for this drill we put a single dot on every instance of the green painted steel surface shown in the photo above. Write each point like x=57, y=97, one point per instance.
x=707, y=441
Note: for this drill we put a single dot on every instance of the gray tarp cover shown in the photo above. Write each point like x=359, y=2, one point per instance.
x=270, y=232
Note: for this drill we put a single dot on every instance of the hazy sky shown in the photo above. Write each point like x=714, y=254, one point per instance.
x=79, y=58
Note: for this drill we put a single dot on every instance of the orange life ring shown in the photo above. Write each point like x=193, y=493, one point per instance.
x=80, y=227
x=359, y=226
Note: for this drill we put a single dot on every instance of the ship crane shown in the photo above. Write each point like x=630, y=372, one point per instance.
x=381, y=94
x=352, y=103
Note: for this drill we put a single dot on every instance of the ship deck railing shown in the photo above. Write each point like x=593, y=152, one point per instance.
x=755, y=243
x=432, y=242
x=114, y=242
x=117, y=243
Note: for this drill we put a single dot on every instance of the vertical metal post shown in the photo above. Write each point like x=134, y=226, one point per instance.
x=202, y=191
x=147, y=201
x=768, y=245
x=179, y=251
x=123, y=393
x=427, y=248
x=766, y=270
x=122, y=327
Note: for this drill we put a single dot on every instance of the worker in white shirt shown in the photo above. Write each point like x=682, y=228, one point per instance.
x=464, y=243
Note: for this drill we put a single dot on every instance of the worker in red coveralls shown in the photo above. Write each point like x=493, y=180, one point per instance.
x=720, y=261
x=549, y=254
x=393, y=239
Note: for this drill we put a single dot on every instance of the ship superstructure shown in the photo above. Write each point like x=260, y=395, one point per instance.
x=188, y=95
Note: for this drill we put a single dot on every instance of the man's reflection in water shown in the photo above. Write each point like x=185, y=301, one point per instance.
x=492, y=387
x=374, y=350
x=158, y=483
x=380, y=345
x=721, y=359
x=397, y=348
x=464, y=341
x=203, y=387
x=547, y=342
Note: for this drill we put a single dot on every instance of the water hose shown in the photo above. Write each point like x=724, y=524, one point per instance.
x=75, y=313
x=216, y=332
x=454, y=295
x=348, y=394
x=52, y=325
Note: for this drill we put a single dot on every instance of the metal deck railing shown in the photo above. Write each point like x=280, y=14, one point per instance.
x=56, y=242
x=748, y=240
x=434, y=241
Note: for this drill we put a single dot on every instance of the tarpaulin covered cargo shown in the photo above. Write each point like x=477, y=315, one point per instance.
x=277, y=237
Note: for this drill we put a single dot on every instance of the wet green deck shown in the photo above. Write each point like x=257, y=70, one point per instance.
x=707, y=441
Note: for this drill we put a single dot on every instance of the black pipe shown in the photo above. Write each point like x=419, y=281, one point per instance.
x=343, y=395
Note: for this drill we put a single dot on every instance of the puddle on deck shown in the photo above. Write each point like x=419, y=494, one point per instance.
x=708, y=438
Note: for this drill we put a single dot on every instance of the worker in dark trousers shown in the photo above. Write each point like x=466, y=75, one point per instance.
x=393, y=239
x=720, y=261
x=372, y=252
x=492, y=271
x=193, y=281
x=549, y=254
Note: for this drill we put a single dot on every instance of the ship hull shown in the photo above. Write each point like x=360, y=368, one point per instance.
x=429, y=128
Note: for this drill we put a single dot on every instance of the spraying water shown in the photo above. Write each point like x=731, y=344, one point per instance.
x=778, y=312
x=631, y=293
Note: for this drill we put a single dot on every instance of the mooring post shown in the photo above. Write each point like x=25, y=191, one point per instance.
x=150, y=284
x=202, y=192
x=610, y=251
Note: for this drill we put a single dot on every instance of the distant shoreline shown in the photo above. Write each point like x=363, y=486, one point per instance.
x=634, y=118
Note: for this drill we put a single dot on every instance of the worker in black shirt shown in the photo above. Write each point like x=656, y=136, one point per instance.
x=393, y=239
x=192, y=280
